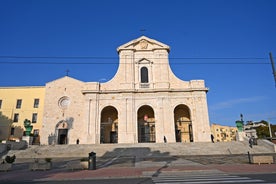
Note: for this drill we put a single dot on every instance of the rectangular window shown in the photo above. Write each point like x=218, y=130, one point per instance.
x=15, y=117
x=36, y=103
x=18, y=103
x=0, y=103
x=34, y=118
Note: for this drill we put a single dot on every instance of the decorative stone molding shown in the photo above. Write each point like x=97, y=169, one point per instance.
x=143, y=44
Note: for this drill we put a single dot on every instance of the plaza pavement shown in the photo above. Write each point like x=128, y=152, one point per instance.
x=133, y=168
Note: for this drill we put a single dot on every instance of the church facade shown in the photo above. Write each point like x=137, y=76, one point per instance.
x=144, y=102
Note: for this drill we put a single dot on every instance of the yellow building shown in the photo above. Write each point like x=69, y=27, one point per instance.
x=18, y=104
x=223, y=133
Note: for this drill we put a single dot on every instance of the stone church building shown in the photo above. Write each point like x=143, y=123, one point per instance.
x=143, y=103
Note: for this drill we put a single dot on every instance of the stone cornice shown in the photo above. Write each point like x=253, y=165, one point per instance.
x=142, y=91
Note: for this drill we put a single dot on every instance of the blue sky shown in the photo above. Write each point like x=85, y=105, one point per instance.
x=226, y=43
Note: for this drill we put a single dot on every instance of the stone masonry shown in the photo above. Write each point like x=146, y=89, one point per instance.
x=144, y=102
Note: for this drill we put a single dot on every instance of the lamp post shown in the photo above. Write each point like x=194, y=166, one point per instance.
x=269, y=129
x=273, y=67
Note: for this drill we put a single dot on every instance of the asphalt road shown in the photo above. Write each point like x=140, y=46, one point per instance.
x=266, y=177
x=101, y=181
x=242, y=178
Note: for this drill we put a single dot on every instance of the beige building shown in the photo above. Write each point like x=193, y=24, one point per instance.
x=144, y=102
x=18, y=104
x=223, y=133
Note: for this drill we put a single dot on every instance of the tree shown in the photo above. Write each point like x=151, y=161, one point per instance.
x=263, y=122
x=262, y=131
x=5, y=127
x=273, y=130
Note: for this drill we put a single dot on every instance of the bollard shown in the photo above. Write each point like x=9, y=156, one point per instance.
x=92, y=161
x=249, y=158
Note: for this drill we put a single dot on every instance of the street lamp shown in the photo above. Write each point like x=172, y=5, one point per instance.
x=269, y=129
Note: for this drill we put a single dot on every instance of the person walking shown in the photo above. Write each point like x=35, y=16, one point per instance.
x=165, y=139
x=251, y=142
x=212, y=138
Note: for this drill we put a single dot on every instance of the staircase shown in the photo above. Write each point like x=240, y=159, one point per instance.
x=144, y=149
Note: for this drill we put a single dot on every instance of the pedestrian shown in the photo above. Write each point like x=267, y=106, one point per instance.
x=165, y=139
x=78, y=141
x=212, y=138
x=251, y=142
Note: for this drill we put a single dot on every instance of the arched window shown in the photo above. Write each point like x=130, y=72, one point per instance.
x=144, y=75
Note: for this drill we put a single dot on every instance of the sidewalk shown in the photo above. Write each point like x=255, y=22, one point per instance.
x=141, y=169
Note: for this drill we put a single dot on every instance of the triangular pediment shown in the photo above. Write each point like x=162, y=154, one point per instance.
x=143, y=43
x=64, y=80
x=144, y=61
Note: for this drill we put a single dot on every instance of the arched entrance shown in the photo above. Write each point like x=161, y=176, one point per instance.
x=109, y=125
x=146, y=124
x=62, y=132
x=183, y=124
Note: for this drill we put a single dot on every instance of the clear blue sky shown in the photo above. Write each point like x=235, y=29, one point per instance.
x=205, y=34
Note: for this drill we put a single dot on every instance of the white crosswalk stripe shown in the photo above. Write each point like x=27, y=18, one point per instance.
x=195, y=179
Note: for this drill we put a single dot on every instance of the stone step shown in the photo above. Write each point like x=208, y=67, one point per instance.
x=141, y=150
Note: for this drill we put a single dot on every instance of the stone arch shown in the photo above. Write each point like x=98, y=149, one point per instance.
x=109, y=125
x=146, y=124
x=183, y=124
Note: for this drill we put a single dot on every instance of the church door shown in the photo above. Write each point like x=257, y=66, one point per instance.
x=146, y=124
x=109, y=125
x=183, y=124
x=62, y=136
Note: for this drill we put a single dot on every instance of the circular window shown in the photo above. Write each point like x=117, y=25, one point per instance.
x=64, y=102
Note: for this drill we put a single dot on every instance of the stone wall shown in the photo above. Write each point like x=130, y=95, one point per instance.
x=76, y=107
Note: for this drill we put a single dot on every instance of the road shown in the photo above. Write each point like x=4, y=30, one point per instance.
x=215, y=178
x=187, y=178
x=89, y=181
x=265, y=177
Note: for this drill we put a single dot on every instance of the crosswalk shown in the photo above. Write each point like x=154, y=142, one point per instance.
x=203, y=178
